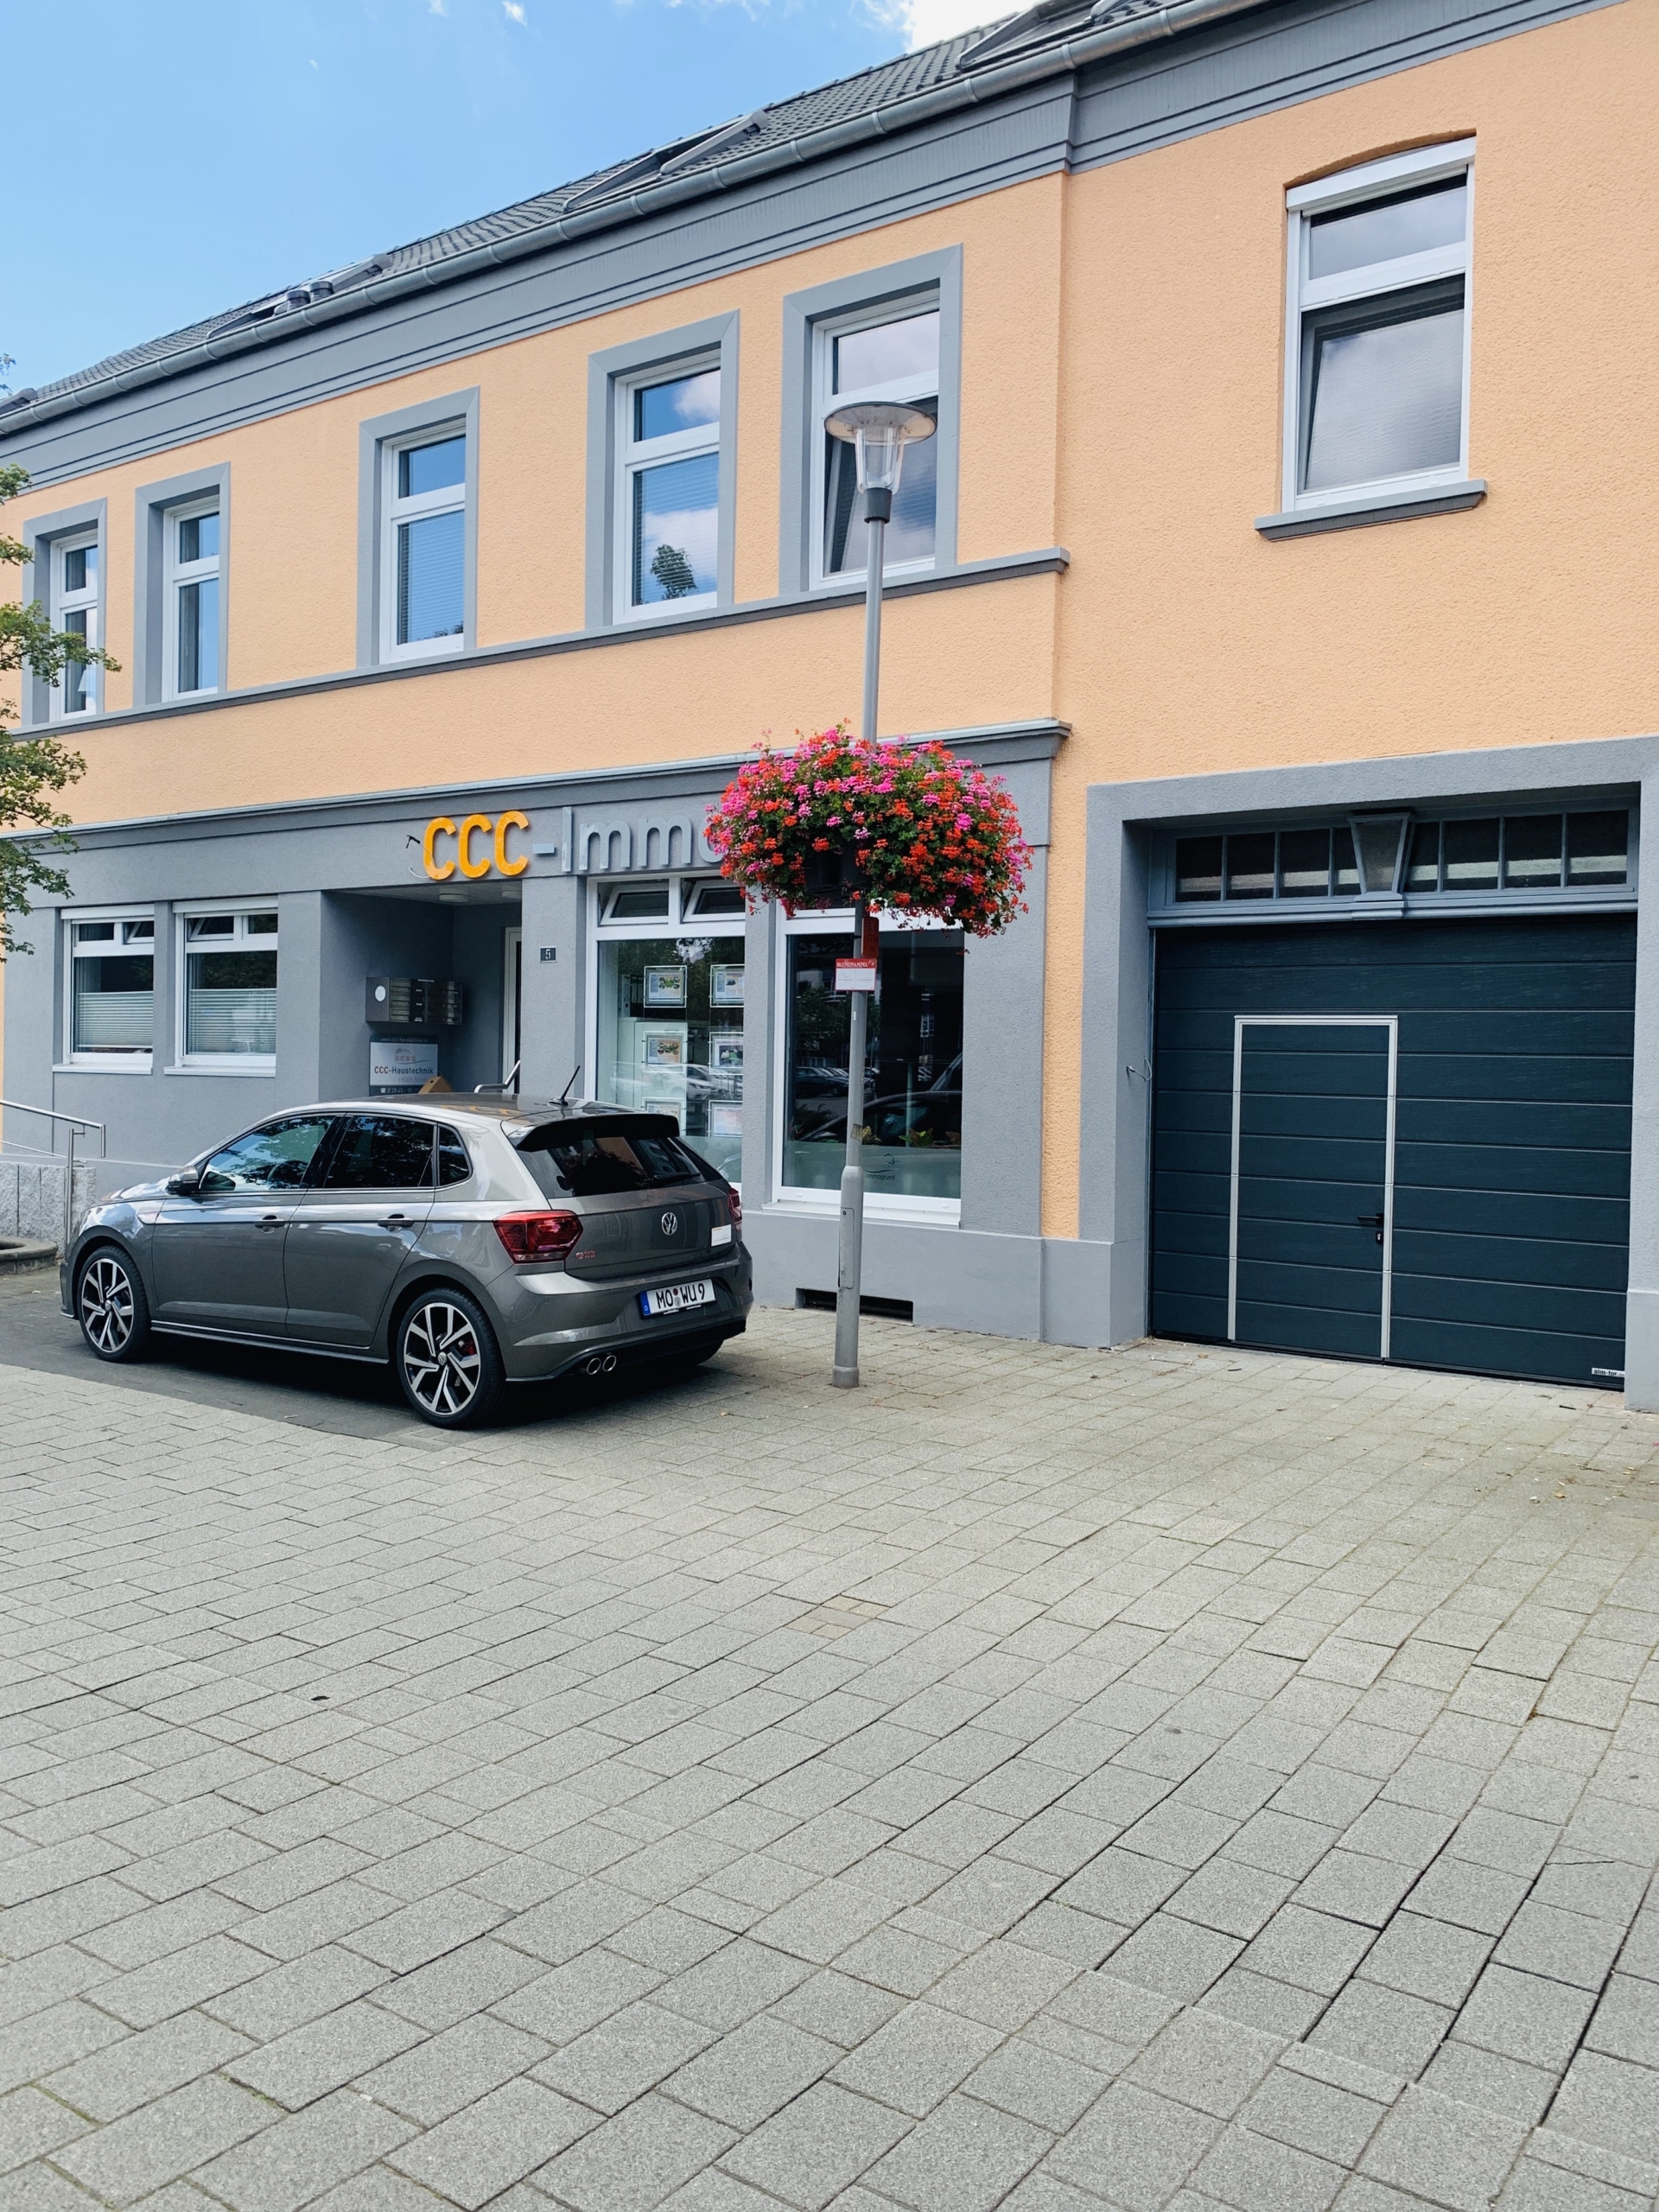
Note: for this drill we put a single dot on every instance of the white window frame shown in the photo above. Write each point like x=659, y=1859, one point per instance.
x=118, y=1060
x=65, y=603
x=634, y=454
x=825, y=399
x=1349, y=188
x=878, y=1205
x=450, y=498
x=188, y=1063
x=679, y=921
x=176, y=573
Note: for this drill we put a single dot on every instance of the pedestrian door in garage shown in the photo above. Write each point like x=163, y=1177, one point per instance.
x=1402, y=1139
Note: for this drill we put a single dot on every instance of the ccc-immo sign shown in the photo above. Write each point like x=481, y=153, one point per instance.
x=473, y=846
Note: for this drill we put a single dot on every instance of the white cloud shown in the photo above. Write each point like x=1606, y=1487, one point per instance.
x=512, y=11
x=436, y=8
x=925, y=22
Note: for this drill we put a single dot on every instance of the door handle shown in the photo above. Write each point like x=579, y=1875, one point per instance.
x=396, y=1221
x=269, y=1220
x=1369, y=1220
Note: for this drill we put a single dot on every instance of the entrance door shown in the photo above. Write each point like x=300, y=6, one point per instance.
x=218, y=1258
x=351, y=1235
x=1311, y=1222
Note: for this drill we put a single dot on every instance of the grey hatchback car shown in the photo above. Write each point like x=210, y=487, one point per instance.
x=472, y=1243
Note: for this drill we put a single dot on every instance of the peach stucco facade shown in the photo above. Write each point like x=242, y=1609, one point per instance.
x=1122, y=364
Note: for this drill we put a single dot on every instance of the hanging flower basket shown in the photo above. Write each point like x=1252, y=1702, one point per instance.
x=910, y=827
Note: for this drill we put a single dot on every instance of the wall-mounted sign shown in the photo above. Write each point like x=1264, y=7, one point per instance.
x=402, y=1063
x=449, y=846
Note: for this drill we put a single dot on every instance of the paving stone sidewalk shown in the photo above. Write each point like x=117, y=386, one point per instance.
x=1046, y=1779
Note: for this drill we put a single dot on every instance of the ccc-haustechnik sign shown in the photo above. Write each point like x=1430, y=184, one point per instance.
x=449, y=846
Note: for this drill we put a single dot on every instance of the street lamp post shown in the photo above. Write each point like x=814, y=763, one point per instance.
x=878, y=432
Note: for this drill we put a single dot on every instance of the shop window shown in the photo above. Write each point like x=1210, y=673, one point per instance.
x=112, y=990
x=890, y=353
x=912, y=1070
x=1376, y=372
x=668, y=490
x=1500, y=854
x=230, y=987
x=669, y=1026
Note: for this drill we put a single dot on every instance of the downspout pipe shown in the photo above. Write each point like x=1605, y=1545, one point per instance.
x=974, y=89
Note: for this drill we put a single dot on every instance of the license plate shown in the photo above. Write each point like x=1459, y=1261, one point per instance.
x=677, y=1297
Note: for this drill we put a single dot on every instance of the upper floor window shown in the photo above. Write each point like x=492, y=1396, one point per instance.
x=1376, y=378
x=667, y=529
x=190, y=611
x=891, y=353
x=423, y=548
x=75, y=607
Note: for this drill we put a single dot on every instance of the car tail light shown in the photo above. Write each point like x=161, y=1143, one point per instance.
x=734, y=1207
x=530, y=1236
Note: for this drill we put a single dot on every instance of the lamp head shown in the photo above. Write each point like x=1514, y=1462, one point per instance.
x=879, y=430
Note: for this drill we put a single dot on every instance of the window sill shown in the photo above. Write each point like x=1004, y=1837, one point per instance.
x=1373, y=507
x=125, y=1063
x=249, y=1066
x=929, y=1213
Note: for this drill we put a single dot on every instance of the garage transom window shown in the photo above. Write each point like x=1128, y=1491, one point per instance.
x=1497, y=853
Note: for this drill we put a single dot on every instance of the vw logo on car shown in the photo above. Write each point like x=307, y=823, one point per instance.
x=671, y=1224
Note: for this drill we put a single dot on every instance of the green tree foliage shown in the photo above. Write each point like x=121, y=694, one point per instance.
x=33, y=770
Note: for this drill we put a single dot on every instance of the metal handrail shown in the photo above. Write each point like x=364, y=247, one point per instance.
x=73, y=1122
x=499, y=1089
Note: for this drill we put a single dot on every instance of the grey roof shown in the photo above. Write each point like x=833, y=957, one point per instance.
x=1047, y=35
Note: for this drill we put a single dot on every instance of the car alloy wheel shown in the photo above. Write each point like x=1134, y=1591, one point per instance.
x=447, y=1360
x=107, y=1306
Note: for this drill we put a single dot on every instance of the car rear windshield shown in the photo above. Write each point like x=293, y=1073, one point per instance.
x=591, y=1164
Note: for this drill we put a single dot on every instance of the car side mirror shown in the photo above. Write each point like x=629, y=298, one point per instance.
x=187, y=1185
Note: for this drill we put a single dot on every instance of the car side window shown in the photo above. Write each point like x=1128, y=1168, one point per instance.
x=454, y=1166
x=380, y=1152
x=276, y=1157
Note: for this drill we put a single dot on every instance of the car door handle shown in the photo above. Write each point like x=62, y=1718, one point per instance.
x=1369, y=1220
x=269, y=1220
x=396, y=1221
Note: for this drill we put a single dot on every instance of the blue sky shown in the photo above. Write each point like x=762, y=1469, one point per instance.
x=222, y=148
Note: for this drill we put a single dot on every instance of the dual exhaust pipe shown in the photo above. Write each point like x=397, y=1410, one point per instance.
x=601, y=1364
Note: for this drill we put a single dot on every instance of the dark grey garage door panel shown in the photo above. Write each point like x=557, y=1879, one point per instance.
x=1512, y=1143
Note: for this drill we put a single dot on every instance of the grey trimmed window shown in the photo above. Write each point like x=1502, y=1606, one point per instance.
x=76, y=605
x=190, y=616
x=668, y=488
x=889, y=333
x=181, y=579
x=112, y=995
x=661, y=475
x=417, y=531
x=228, y=987
x=1376, y=372
x=884, y=353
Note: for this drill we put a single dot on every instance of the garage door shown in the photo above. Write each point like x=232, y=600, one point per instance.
x=1405, y=1140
